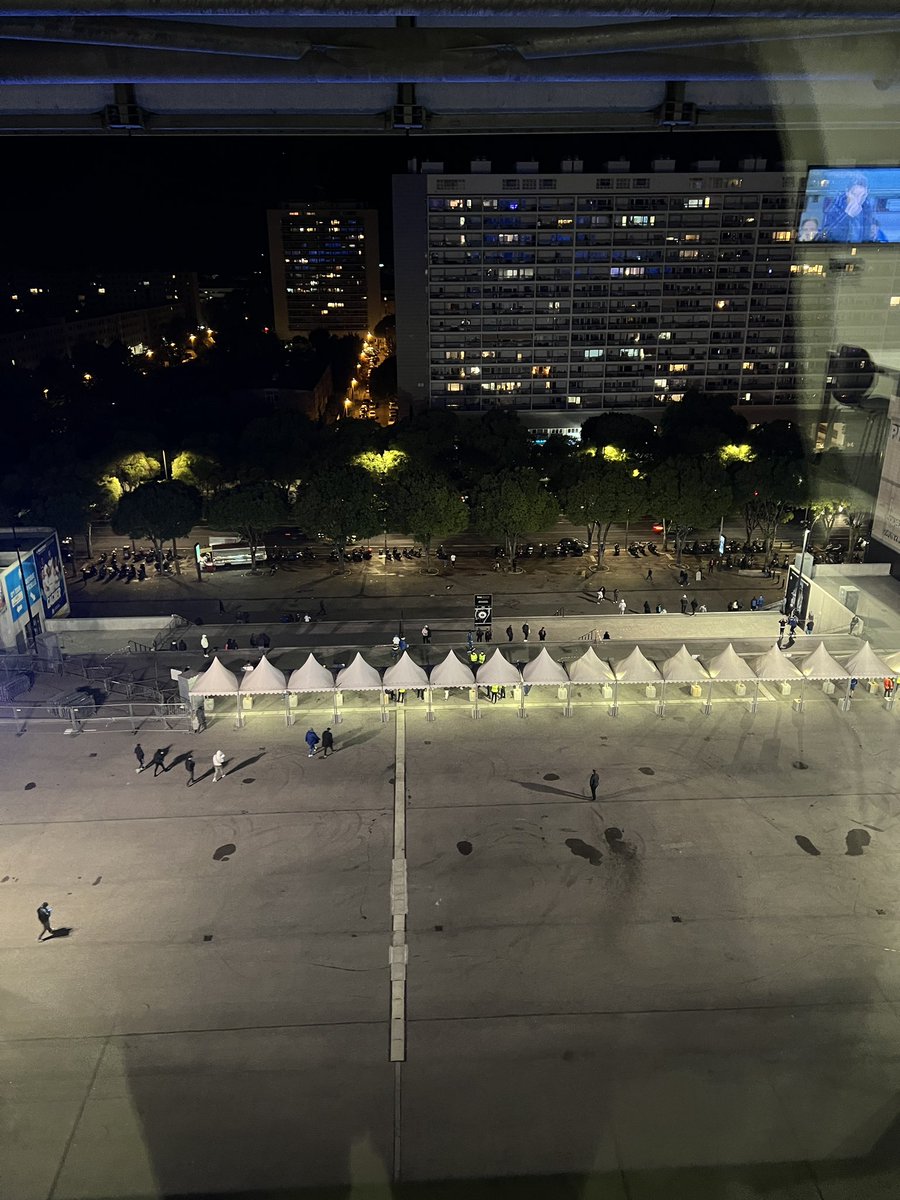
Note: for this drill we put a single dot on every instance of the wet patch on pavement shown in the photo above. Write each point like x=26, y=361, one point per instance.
x=646, y=770
x=805, y=844
x=30, y=787
x=857, y=840
x=464, y=847
x=223, y=853
x=582, y=850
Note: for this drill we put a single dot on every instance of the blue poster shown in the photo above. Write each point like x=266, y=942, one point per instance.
x=13, y=580
x=52, y=582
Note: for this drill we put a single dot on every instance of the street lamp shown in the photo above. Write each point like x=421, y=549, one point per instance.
x=806, y=532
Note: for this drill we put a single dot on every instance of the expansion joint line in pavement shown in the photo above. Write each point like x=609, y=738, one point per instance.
x=399, y=951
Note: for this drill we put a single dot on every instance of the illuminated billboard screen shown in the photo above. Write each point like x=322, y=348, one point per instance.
x=851, y=205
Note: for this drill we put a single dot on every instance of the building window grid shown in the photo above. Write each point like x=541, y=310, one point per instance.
x=529, y=333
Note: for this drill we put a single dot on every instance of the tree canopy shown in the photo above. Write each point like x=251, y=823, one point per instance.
x=512, y=503
x=251, y=509
x=158, y=511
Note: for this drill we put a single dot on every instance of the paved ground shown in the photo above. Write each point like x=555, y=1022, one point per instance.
x=689, y=989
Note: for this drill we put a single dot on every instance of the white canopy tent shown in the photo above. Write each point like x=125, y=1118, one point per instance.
x=450, y=673
x=544, y=671
x=216, y=681
x=314, y=677
x=590, y=669
x=773, y=667
x=820, y=665
x=405, y=674
x=635, y=668
x=682, y=667
x=360, y=676
x=865, y=664
x=728, y=667
x=497, y=672
x=263, y=680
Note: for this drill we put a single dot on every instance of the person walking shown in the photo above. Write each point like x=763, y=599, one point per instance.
x=43, y=915
x=189, y=765
x=426, y=634
x=649, y=574
x=312, y=740
x=488, y=634
x=622, y=606
x=509, y=633
x=218, y=761
x=647, y=606
x=594, y=782
x=810, y=623
x=139, y=755
x=888, y=688
x=321, y=611
x=854, y=625
x=525, y=631
x=684, y=602
x=542, y=634
x=200, y=716
x=601, y=594
x=204, y=645
x=479, y=634
x=853, y=685
x=327, y=742
x=782, y=625
x=158, y=762
x=615, y=595
x=694, y=607
x=470, y=640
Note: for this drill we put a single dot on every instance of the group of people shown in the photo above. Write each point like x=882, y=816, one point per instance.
x=791, y=623
x=312, y=740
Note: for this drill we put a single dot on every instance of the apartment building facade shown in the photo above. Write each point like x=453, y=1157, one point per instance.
x=325, y=273
x=563, y=295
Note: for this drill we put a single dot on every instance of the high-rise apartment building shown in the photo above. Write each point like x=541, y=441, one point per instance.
x=325, y=273
x=565, y=294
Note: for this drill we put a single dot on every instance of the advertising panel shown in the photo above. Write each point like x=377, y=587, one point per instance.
x=53, y=584
x=15, y=590
x=796, y=597
x=851, y=206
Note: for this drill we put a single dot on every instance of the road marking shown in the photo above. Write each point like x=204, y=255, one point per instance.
x=398, y=955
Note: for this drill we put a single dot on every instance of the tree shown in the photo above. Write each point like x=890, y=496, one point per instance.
x=386, y=329
x=132, y=470
x=600, y=492
x=635, y=435
x=700, y=424
x=158, y=511
x=200, y=471
x=511, y=503
x=425, y=505
x=691, y=493
x=498, y=441
x=339, y=505
x=251, y=509
x=770, y=480
x=383, y=380
x=71, y=505
x=277, y=447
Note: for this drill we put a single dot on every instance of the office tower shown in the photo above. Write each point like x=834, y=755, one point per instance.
x=563, y=295
x=325, y=275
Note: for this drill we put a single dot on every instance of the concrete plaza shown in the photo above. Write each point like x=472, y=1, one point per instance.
x=689, y=989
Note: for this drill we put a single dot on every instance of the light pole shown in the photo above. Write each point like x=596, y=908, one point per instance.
x=806, y=532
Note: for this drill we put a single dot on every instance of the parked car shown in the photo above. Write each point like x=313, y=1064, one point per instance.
x=571, y=546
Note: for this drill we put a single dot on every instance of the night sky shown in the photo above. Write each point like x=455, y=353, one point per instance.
x=199, y=203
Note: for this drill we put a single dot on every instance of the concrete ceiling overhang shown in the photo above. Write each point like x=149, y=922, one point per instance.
x=276, y=66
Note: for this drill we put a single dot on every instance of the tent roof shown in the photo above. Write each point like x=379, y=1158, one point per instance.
x=636, y=669
x=865, y=664
x=358, y=677
x=729, y=666
x=405, y=673
x=820, y=665
x=590, y=669
x=544, y=669
x=216, y=680
x=497, y=670
x=311, y=677
x=893, y=661
x=774, y=666
x=263, y=679
x=682, y=668
x=451, y=673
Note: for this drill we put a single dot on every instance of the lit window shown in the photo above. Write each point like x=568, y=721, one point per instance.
x=782, y=235
x=675, y=368
x=895, y=301
x=748, y=366
x=661, y=383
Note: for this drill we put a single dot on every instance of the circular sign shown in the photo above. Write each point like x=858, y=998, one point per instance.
x=482, y=614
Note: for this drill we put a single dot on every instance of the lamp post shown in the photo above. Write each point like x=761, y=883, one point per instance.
x=806, y=532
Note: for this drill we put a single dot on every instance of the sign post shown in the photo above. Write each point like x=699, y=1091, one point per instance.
x=483, y=610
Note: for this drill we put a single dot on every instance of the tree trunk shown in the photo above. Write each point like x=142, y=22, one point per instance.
x=89, y=539
x=175, y=554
